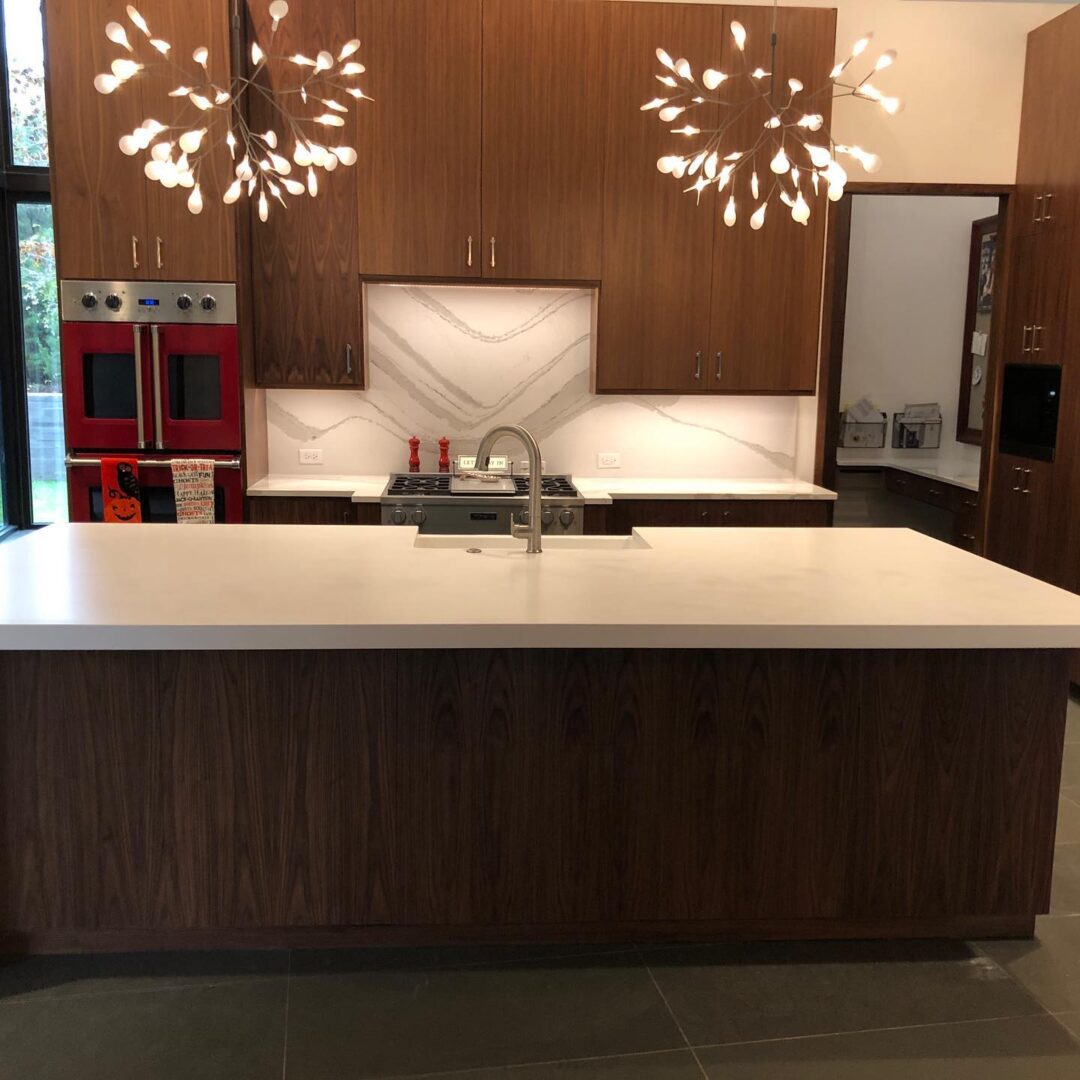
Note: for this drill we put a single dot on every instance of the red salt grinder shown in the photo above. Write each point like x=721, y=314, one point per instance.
x=444, y=454
x=414, y=454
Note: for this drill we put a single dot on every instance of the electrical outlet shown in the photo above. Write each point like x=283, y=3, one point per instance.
x=608, y=459
x=310, y=456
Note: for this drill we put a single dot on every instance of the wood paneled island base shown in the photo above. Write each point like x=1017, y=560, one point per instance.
x=213, y=799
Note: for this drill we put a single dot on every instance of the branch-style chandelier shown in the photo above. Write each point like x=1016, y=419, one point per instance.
x=793, y=140
x=178, y=150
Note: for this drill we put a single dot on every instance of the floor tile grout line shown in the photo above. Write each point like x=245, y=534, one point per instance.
x=1029, y=993
x=28, y=997
x=1065, y=1027
x=671, y=1013
x=285, y=1040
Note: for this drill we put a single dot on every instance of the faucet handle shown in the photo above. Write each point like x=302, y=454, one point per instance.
x=520, y=532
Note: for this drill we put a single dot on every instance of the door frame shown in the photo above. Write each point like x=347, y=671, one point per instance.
x=834, y=309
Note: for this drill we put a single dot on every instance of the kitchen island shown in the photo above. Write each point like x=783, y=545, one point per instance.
x=227, y=735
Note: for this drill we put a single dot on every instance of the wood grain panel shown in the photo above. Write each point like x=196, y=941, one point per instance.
x=627, y=514
x=99, y=196
x=544, y=94
x=203, y=247
x=658, y=244
x=306, y=259
x=419, y=143
x=766, y=285
x=158, y=794
x=306, y=510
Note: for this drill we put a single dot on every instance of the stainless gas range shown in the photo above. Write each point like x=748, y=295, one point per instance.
x=441, y=503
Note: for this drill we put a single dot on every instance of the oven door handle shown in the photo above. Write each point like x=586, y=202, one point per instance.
x=69, y=461
x=155, y=359
x=140, y=420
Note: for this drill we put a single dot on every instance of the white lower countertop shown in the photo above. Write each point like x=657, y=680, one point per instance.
x=357, y=488
x=306, y=586
x=948, y=472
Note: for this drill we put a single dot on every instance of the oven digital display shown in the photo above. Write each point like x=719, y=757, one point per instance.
x=492, y=516
x=149, y=301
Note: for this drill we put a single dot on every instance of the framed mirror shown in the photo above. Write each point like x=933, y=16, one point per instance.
x=976, y=345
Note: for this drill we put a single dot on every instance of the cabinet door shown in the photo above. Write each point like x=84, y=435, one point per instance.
x=305, y=260
x=304, y=510
x=98, y=194
x=766, y=285
x=1023, y=300
x=1038, y=130
x=1019, y=527
x=657, y=274
x=182, y=246
x=543, y=135
x=419, y=141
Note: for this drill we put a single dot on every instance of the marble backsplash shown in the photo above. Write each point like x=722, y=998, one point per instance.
x=453, y=360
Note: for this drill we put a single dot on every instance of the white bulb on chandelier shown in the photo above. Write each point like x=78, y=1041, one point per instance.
x=773, y=122
x=682, y=68
x=757, y=218
x=663, y=164
x=710, y=165
x=795, y=85
x=257, y=55
x=138, y=20
x=170, y=175
x=190, y=141
x=152, y=169
x=860, y=46
x=794, y=175
x=232, y=193
x=293, y=187
x=201, y=55
x=670, y=112
x=738, y=32
x=711, y=78
x=318, y=155
x=180, y=91
x=186, y=179
x=129, y=145
x=667, y=80
x=162, y=151
x=244, y=171
x=117, y=35
x=312, y=182
x=161, y=45
x=838, y=69
x=348, y=49
x=353, y=68
x=105, y=84
x=678, y=167
x=345, y=154
x=812, y=121
x=697, y=161
x=886, y=59
x=665, y=59
x=758, y=73
x=819, y=156
x=200, y=102
x=724, y=177
x=278, y=10
x=330, y=103
x=281, y=164
x=331, y=161
x=688, y=130
x=892, y=105
x=786, y=199
x=195, y=202
x=800, y=212
x=270, y=138
x=780, y=163
x=124, y=69
x=324, y=61
x=302, y=154
x=654, y=104
x=730, y=216
x=755, y=187
x=329, y=120
x=835, y=174
x=264, y=206
x=356, y=92
x=302, y=61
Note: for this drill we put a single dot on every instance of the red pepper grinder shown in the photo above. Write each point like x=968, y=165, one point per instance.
x=414, y=454
x=444, y=454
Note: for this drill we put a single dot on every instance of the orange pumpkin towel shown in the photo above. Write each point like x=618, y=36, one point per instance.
x=120, y=496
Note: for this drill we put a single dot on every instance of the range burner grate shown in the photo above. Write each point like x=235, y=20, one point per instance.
x=418, y=485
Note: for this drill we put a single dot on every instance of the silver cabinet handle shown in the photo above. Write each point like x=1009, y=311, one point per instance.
x=134, y=252
x=1046, y=208
x=468, y=252
x=1026, y=490
x=1025, y=345
x=160, y=261
x=493, y=251
x=348, y=359
x=1017, y=470
x=720, y=365
x=140, y=421
x=155, y=360
x=1036, y=214
x=1035, y=332
x=697, y=364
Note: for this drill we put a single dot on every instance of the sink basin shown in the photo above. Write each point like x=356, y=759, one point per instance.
x=553, y=543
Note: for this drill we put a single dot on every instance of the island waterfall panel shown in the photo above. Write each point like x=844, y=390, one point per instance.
x=158, y=799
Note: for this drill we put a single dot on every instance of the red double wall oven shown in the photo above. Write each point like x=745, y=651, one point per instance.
x=151, y=371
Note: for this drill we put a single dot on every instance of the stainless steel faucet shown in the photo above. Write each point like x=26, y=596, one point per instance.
x=531, y=531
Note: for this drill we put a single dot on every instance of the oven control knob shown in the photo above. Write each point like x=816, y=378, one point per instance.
x=419, y=516
x=113, y=302
x=523, y=517
x=547, y=517
x=89, y=301
x=183, y=302
x=208, y=303
x=566, y=518
x=399, y=517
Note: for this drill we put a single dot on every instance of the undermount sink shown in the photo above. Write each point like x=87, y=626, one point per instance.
x=510, y=545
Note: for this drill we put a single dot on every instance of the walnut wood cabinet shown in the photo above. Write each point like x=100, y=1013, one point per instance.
x=625, y=515
x=1021, y=517
x=313, y=510
x=111, y=223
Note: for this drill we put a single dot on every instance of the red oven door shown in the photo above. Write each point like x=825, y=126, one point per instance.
x=155, y=482
x=196, y=377
x=106, y=390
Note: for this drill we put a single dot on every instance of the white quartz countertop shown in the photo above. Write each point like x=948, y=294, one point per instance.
x=306, y=586
x=948, y=472
x=594, y=489
x=601, y=489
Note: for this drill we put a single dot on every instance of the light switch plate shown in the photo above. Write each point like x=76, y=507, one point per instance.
x=310, y=456
x=608, y=459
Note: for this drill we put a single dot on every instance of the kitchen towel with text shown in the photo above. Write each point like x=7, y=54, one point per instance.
x=193, y=488
x=121, y=499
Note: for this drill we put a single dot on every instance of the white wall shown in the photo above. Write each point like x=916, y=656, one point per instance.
x=906, y=300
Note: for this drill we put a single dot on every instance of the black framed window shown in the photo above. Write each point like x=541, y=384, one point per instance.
x=33, y=488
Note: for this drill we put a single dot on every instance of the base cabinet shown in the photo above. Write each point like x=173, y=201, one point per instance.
x=625, y=515
x=301, y=510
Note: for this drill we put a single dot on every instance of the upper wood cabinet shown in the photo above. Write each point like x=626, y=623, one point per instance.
x=766, y=285
x=656, y=280
x=1046, y=273
x=544, y=93
x=305, y=261
x=111, y=222
x=419, y=140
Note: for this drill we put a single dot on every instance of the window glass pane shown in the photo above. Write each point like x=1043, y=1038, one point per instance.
x=41, y=344
x=26, y=82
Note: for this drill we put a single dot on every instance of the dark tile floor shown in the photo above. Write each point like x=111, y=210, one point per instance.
x=854, y=1011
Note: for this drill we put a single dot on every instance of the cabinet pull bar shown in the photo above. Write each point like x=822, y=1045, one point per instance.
x=348, y=359
x=1035, y=332
x=1017, y=470
x=160, y=261
x=1025, y=345
x=720, y=365
x=135, y=252
x=493, y=252
x=697, y=364
x=140, y=420
x=468, y=255
x=1026, y=490
x=155, y=360
x=1036, y=214
x=1046, y=207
